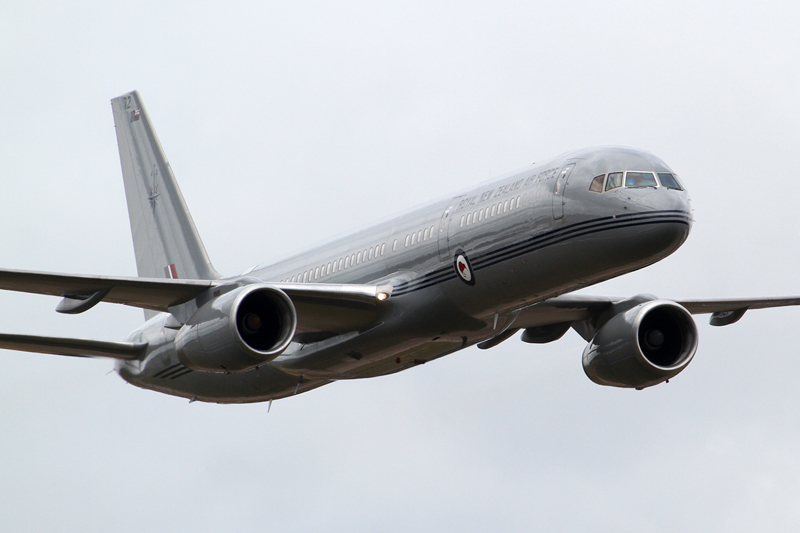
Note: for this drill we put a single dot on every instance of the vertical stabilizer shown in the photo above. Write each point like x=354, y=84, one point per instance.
x=165, y=240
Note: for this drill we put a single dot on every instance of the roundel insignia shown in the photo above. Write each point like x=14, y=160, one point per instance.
x=463, y=268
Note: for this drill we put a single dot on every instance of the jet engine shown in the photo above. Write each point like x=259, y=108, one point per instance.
x=239, y=330
x=642, y=346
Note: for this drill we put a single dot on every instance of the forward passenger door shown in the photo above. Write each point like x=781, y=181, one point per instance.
x=558, y=191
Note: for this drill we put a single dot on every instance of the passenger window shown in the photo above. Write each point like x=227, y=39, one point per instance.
x=519, y=198
x=328, y=271
x=383, y=247
x=668, y=180
x=347, y=261
x=341, y=263
x=406, y=241
x=638, y=180
x=293, y=279
x=419, y=236
x=353, y=260
x=413, y=238
x=425, y=237
x=461, y=226
x=432, y=228
x=316, y=273
x=358, y=258
x=305, y=276
x=394, y=245
x=597, y=183
x=494, y=209
x=505, y=206
x=370, y=254
x=614, y=181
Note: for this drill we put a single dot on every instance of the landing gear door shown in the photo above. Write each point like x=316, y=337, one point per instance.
x=444, y=230
x=558, y=191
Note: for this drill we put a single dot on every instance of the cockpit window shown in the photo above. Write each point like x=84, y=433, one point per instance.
x=614, y=181
x=668, y=180
x=635, y=180
x=597, y=183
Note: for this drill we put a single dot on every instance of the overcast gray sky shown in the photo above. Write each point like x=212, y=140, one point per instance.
x=289, y=122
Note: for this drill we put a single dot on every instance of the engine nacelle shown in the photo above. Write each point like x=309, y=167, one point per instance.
x=642, y=346
x=237, y=331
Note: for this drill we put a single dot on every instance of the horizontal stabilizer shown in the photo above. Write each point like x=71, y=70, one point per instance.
x=72, y=347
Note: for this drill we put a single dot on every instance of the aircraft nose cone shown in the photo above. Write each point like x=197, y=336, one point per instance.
x=675, y=208
x=665, y=202
x=667, y=216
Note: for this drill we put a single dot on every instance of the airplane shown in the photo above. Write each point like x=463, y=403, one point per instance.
x=475, y=268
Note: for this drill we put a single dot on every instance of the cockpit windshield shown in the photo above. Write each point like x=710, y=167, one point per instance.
x=614, y=181
x=669, y=181
x=634, y=179
x=637, y=180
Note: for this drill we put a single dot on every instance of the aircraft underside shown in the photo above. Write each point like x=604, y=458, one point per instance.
x=424, y=325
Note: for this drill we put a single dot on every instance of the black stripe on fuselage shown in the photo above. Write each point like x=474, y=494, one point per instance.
x=166, y=370
x=179, y=374
x=172, y=372
x=537, y=242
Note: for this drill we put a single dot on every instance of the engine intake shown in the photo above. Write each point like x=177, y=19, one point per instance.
x=239, y=330
x=642, y=347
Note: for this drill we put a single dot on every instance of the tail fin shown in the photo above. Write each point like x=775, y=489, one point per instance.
x=165, y=240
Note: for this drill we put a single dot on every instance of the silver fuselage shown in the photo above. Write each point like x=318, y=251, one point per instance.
x=545, y=234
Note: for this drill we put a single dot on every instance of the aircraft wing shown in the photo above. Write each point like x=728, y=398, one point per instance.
x=574, y=308
x=323, y=309
x=82, y=292
x=326, y=310
x=700, y=306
